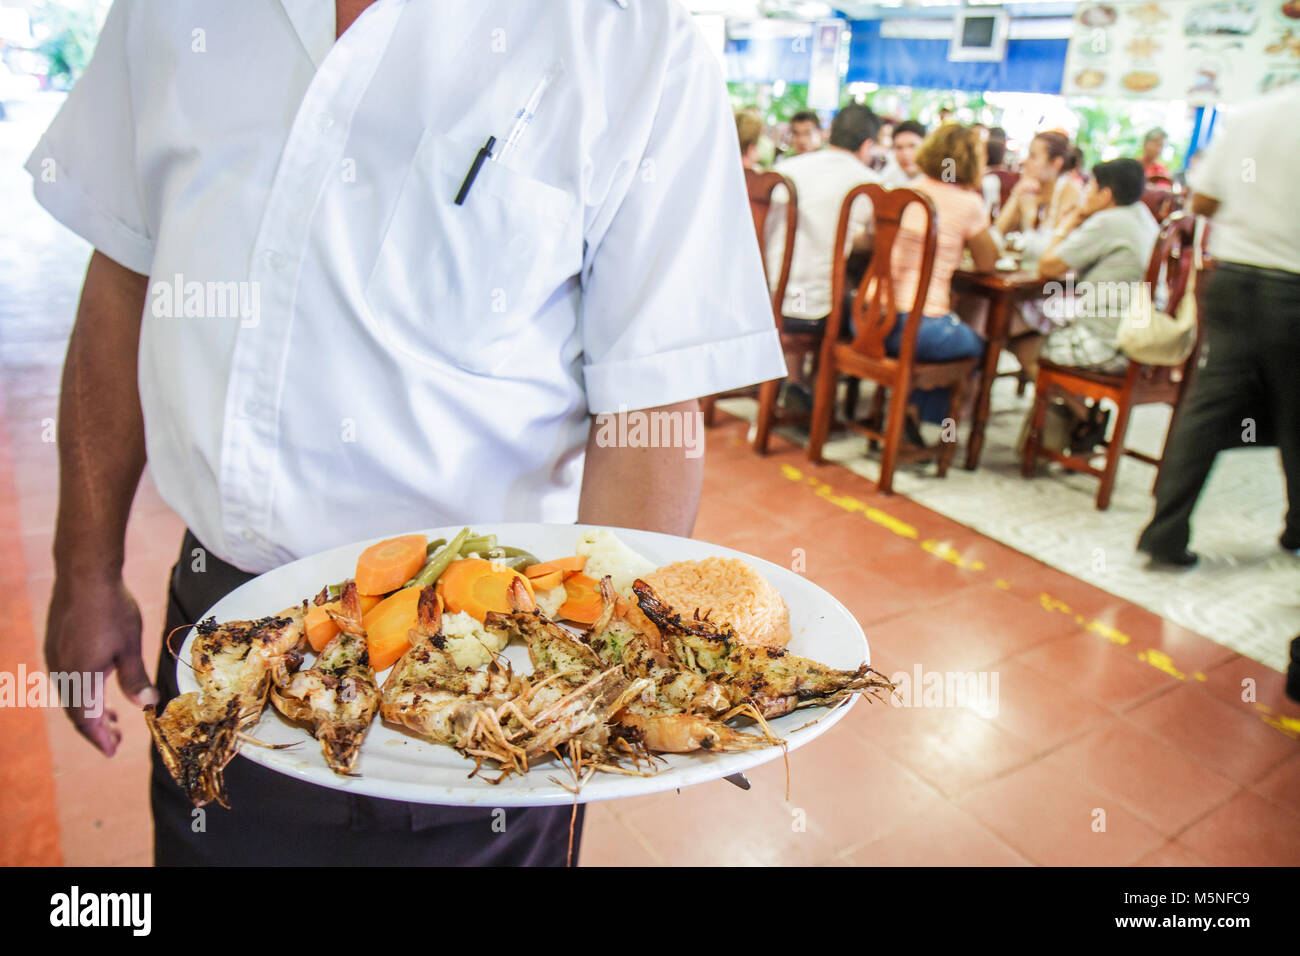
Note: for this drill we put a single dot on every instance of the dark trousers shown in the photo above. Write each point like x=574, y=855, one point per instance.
x=276, y=820
x=1251, y=381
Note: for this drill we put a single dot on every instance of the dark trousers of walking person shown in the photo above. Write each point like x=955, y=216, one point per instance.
x=275, y=820
x=1249, y=390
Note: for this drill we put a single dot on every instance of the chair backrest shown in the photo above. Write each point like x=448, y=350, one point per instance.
x=874, y=309
x=1172, y=260
x=1160, y=200
x=761, y=187
x=1007, y=180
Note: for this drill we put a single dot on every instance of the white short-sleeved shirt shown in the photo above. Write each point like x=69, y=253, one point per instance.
x=821, y=181
x=331, y=348
x=1250, y=168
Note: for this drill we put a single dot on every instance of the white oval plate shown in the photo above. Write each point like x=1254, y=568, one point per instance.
x=399, y=766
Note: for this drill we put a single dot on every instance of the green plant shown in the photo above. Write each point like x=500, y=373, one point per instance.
x=69, y=33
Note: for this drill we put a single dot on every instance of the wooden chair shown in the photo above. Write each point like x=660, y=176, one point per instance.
x=1160, y=200
x=1172, y=262
x=1006, y=180
x=760, y=187
x=874, y=316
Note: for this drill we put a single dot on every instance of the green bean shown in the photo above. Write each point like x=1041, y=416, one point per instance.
x=433, y=546
x=520, y=553
x=438, y=563
x=479, y=543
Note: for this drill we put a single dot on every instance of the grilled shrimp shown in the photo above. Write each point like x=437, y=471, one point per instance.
x=197, y=734
x=337, y=695
x=572, y=694
x=687, y=712
x=428, y=693
x=775, y=681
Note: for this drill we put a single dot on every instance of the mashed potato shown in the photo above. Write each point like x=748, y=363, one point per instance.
x=470, y=645
x=608, y=555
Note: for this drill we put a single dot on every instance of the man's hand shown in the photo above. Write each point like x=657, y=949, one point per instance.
x=634, y=486
x=94, y=624
x=94, y=627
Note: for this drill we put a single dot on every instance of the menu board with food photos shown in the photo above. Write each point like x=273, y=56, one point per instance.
x=1204, y=51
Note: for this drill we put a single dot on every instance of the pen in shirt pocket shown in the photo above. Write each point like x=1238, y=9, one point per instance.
x=522, y=118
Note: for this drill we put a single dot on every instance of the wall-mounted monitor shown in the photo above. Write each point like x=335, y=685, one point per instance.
x=979, y=33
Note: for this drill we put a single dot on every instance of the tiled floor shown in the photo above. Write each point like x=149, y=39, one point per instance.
x=1117, y=737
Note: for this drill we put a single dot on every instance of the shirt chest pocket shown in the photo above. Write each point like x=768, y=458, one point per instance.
x=458, y=284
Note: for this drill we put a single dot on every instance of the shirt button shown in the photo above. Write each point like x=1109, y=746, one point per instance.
x=252, y=407
x=248, y=534
x=324, y=121
x=274, y=259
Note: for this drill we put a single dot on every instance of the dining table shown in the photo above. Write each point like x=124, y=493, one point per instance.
x=1002, y=288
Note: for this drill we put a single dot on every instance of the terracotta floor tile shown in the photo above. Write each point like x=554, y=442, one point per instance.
x=1101, y=671
x=1246, y=831
x=946, y=837
x=1230, y=739
x=869, y=597
x=932, y=577
x=717, y=824
x=850, y=790
x=1160, y=783
x=1281, y=785
x=1187, y=651
x=607, y=842
x=952, y=749
x=1040, y=583
x=104, y=814
x=1228, y=682
x=1040, y=710
x=1050, y=817
x=1171, y=854
x=970, y=630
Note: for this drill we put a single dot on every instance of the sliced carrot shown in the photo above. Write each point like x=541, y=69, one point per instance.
x=584, y=603
x=321, y=627
x=476, y=586
x=388, y=627
x=386, y=566
x=575, y=563
x=544, y=582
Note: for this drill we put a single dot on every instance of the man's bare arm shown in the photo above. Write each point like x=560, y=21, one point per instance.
x=94, y=624
x=656, y=489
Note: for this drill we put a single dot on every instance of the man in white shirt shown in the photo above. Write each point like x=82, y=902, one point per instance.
x=821, y=180
x=1246, y=182
x=901, y=167
x=311, y=342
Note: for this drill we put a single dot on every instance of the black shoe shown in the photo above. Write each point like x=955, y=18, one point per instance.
x=1090, y=432
x=912, y=432
x=1180, y=559
x=1290, y=540
x=798, y=397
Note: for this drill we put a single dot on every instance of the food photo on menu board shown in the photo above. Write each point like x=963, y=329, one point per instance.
x=1206, y=53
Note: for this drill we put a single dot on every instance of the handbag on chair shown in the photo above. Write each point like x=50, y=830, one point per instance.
x=1153, y=337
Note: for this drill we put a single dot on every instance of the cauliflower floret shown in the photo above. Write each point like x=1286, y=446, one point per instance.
x=469, y=643
x=549, y=601
x=606, y=554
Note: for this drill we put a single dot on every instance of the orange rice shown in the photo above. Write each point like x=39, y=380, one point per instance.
x=731, y=592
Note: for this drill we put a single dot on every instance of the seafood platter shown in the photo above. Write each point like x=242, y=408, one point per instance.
x=512, y=665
